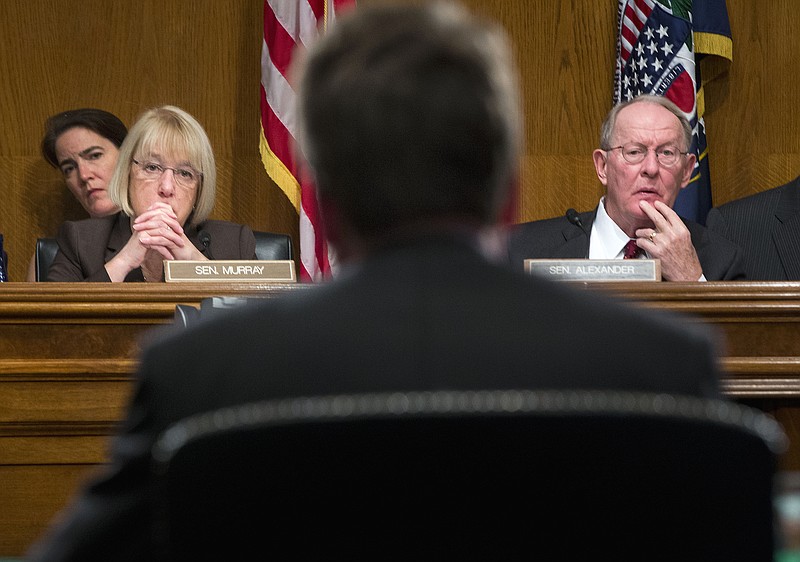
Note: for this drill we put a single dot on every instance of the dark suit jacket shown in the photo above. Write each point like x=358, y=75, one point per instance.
x=85, y=246
x=423, y=315
x=767, y=227
x=558, y=238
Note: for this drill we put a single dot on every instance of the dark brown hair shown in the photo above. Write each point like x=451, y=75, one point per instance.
x=101, y=122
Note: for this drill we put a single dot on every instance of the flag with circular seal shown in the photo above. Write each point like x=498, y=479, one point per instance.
x=661, y=46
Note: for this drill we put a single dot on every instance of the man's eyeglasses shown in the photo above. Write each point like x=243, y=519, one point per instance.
x=184, y=177
x=635, y=153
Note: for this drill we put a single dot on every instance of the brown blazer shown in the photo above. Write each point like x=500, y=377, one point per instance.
x=85, y=246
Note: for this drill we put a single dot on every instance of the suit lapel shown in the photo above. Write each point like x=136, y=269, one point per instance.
x=120, y=233
x=576, y=243
x=786, y=235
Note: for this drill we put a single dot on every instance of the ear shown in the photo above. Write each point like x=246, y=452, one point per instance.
x=600, y=158
x=331, y=220
x=688, y=169
x=509, y=208
x=341, y=237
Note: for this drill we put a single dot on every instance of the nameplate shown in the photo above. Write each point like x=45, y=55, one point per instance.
x=273, y=271
x=595, y=270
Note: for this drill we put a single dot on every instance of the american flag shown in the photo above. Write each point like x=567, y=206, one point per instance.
x=659, y=46
x=290, y=25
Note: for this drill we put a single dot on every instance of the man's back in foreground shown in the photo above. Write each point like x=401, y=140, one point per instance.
x=410, y=121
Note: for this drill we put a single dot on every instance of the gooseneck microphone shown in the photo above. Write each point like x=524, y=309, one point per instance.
x=205, y=240
x=575, y=218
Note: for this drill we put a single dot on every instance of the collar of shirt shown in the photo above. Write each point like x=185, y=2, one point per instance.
x=607, y=240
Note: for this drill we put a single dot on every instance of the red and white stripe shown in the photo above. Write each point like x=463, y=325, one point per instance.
x=290, y=25
x=634, y=14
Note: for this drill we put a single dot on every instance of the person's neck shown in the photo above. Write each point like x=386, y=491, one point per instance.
x=490, y=240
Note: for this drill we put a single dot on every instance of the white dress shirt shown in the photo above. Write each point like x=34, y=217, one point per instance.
x=607, y=241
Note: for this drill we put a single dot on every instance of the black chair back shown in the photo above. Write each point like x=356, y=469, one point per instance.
x=492, y=475
x=269, y=246
x=45, y=253
x=273, y=246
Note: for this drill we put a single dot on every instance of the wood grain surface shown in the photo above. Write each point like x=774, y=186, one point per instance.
x=205, y=57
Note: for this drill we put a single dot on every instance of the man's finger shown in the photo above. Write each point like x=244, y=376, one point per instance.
x=668, y=213
x=658, y=219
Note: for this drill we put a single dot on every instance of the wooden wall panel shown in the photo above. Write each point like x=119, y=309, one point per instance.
x=753, y=115
x=204, y=56
x=565, y=52
x=566, y=55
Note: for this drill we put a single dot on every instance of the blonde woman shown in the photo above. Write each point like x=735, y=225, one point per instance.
x=164, y=184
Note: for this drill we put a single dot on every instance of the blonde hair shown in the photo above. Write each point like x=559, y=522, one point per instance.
x=168, y=131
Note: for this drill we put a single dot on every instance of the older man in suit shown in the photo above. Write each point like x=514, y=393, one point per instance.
x=767, y=227
x=411, y=122
x=644, y=163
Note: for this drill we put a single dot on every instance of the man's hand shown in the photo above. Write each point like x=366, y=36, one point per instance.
x=670, y=242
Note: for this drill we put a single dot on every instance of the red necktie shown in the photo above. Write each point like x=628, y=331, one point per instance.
x=632, y=251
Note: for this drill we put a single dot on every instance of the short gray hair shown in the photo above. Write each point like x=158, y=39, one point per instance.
x=607, y=130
